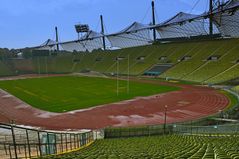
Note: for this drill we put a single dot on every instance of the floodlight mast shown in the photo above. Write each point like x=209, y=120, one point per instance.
x=103, y=31
x=153, y=18
x=81, y=28
x=211, y=17
x=57, y=39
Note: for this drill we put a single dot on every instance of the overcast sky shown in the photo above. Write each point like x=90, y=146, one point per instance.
x=31, y=22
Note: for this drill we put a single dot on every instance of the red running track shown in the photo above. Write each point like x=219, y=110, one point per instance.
x=189, y=103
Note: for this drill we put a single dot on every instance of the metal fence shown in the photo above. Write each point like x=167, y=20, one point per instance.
x=226, y=129
x=212, y=129
x=22, y=142
x=137, y=131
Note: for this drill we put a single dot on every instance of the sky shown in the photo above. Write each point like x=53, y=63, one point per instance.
x=25, y=23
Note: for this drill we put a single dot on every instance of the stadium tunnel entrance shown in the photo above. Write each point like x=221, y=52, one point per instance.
x=157, y=70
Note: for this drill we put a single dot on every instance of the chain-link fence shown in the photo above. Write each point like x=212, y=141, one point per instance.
x=21, y=142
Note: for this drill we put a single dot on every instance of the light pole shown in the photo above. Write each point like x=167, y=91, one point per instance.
x=165, y=118
x=221, y=113
x=220, y=116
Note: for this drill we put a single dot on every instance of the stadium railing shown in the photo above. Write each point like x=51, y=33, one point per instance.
x=226, y=129
x=25, y=142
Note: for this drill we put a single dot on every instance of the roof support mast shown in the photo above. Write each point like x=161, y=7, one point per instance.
x=103, y=31
x=57, y=39
x=211, y=17
x=153, y=18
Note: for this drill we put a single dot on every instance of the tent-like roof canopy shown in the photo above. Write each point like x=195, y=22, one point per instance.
x=136, y=34
x=226, y=20
x=88, y=36
x=90, y=41
x=228, y=6
x=231, y=4
x=179, y=18
x=91, y=34
x=47, y=45
x=49, y=42
x=136, y=26
x=182, y=25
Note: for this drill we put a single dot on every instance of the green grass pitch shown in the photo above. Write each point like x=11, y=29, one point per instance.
x=67, y=93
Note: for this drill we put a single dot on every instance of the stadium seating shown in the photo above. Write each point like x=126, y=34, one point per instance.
x=229, y=74
x=210, y=69
x=168, y=147
x=197, y=68
x=236, y=88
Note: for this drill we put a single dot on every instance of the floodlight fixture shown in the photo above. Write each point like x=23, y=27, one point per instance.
x=82, y=28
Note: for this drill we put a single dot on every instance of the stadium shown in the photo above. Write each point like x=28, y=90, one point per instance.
x=160, y=90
